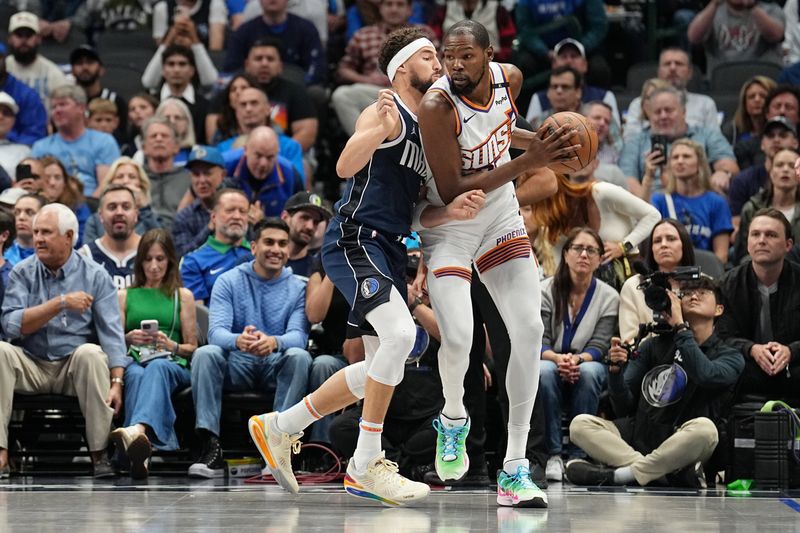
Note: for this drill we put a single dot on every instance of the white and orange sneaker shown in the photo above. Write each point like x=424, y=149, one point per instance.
x=381, y=482
x=276, y=448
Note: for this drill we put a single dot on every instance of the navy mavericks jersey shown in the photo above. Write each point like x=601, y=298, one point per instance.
x=382, y=195
x=121, y=271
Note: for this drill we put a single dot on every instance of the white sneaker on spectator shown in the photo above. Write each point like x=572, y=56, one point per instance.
x=555, y=468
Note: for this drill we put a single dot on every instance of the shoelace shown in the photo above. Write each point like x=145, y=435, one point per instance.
x=522, y=477
x=389, y=470
x=295, y=443
x=450, y=436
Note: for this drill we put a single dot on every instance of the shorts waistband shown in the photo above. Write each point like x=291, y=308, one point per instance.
x=395, y=237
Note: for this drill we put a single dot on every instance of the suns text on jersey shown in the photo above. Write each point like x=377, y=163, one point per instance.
x=490, y=150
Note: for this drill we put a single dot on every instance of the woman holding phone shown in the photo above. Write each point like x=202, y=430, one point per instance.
x=160, y=328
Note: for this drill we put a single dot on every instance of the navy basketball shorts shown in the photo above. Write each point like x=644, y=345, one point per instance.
x=363, y=264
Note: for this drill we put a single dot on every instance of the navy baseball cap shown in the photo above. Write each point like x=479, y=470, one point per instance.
x=205, y=154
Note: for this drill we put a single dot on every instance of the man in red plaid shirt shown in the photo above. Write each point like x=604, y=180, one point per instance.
x=358, y=70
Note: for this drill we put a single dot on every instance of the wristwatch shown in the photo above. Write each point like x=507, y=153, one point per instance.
x=684, y=326
x=118, y=380
x=628, y=247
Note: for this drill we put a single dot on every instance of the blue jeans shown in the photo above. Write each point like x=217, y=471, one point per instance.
x=148, y=399
x=323, y=367
x=215, y=370
x=584, y=395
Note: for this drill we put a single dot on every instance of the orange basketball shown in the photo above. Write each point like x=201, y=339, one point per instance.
x=585, y=135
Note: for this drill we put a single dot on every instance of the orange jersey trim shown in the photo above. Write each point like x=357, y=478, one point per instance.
x=459, y=272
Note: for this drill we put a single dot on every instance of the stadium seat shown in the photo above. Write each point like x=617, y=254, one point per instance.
x=709, y=263
x=729, y=77
x=202, y=324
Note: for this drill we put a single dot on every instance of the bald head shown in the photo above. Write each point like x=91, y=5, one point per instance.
x=252, y=108
x=261, y=151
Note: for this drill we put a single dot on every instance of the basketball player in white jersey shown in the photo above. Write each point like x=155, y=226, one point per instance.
x=467, y=124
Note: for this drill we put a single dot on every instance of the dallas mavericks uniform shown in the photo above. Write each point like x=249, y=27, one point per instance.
x=497, y=233
x=121, y=271
x=363, y=252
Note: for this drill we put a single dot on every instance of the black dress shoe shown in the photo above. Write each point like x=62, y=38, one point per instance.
x=103, y=468
x=582, y=472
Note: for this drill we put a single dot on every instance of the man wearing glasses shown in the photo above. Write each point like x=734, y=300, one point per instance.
x=673, y=395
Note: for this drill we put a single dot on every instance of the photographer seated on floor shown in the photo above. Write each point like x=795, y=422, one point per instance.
x=681, y=379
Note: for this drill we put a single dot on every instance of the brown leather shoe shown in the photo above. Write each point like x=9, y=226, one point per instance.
x=138, y=450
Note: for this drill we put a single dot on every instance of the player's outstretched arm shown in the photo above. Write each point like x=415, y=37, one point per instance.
x=378, y=122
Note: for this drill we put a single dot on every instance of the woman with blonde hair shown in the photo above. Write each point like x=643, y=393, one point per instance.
x=750, y=117
x=689, y=199
x=125, y=171
x=178, y=114
x=621, y=219
x=58, y=186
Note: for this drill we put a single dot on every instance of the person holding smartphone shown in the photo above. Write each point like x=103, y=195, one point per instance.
x=159, y=319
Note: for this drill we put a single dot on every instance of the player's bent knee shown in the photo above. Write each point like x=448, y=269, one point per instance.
x=355, y=376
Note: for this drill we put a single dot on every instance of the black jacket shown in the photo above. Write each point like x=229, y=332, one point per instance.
x=743, y=309
x=712, y=371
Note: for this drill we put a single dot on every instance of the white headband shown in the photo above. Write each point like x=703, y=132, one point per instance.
x=405, y=54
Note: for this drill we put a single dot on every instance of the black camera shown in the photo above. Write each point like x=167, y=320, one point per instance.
x=656, y=285
x=412, y=264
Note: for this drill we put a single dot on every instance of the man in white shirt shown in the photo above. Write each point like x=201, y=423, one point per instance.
x=674, y=66
x=25, y=62
x=11, y=153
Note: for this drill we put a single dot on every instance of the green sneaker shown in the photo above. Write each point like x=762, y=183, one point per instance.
x=518, y=490
x=452, y=461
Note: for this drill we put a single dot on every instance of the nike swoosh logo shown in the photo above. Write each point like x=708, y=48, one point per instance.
x=467, y=119
x=216, y=271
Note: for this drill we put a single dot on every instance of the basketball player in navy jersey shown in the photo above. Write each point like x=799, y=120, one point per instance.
x=365, y=257
x=467, y=120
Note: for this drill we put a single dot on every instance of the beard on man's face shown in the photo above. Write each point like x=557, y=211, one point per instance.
x=419, y=84
x=469, y=87
x=25, y=57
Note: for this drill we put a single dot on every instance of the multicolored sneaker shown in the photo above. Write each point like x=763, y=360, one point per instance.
x=382, y=482
x=518, y=490
x=276, y=448
x=452, y=461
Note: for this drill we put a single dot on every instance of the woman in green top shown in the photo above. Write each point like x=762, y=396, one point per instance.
x=156, y=294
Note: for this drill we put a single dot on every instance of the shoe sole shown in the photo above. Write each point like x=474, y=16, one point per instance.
x=204, y=472
x=354, y=488
x=451, y=479
x=507, y=501
x=139, y=452
x=258, y=432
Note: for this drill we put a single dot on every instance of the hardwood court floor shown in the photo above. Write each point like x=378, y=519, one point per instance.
x=163, y=504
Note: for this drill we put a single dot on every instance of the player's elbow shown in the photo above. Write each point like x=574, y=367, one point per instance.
x=343, y=171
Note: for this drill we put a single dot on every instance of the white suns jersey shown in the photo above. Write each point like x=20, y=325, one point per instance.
x=484, y=135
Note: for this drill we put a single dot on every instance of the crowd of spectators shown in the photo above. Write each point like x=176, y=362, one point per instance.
x=205, y=189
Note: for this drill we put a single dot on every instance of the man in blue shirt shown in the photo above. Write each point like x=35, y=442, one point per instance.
x=31, y=123
x=266, y=178
x=223, y=251
x=668, y=119
x=25, y=210
x=61, y=312
x=257, y=336
x=86, y=153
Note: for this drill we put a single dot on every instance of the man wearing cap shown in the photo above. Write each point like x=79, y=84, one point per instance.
x=11, y=153
x=31, y=121
x=779, y=133
x=675, y=67
x=303, y=213
x=266, y=178
x=25, y=62
x=87, y=69
x=192, y=224
x=570, y=52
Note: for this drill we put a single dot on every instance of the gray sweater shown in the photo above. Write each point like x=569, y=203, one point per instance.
x=595, y=323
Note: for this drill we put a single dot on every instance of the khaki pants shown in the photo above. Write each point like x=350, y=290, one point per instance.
x=694, y=441
x=83, y=374
x=350, y=100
